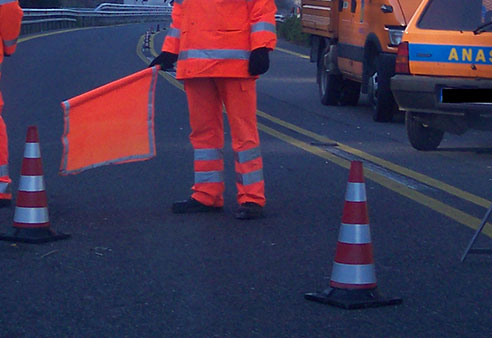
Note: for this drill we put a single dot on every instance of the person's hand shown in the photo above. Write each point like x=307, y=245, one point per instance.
x=166, y=60
x=259, y=61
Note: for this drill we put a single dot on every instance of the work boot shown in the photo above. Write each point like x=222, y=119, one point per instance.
x=249, y=210
x=191, y=206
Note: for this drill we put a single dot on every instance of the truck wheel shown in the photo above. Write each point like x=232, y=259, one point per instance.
x=421, y=136
x=380, y=94
x=350, y=93
x=329, y=84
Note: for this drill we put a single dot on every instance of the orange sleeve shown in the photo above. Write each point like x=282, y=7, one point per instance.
x=10, y=23
x=262, y=23
x=173, y=37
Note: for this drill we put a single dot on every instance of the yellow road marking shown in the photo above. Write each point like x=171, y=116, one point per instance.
x=392, y=166
x=432, y=203
x=292, y=53
x=40, y=35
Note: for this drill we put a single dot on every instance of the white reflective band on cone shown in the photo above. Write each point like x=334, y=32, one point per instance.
x=31, y=183
x=353, y=273
x=356, y=192
x=354, y=234
x=31, y=215
x=32, y=150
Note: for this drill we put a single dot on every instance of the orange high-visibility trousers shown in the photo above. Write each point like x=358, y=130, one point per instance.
x=206, y=99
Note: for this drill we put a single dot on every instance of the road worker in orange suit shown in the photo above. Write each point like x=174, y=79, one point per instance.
x=10, y=23
x=221, y=47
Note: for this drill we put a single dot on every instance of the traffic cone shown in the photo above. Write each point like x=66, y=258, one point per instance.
x=353, y=282
x=31, y=221
x=147, y=40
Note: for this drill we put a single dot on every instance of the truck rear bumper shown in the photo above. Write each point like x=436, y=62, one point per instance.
x=429, y=94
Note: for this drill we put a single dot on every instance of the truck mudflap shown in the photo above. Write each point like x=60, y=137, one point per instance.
x=379, y=87
x=387, y=60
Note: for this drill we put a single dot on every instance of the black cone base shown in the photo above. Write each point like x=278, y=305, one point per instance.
x=352, y=299
x=39, y=235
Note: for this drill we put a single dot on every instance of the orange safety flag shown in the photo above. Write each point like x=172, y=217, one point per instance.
x=112, y=124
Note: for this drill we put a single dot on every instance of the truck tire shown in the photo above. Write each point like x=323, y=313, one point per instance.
x=380, y=95
x=350, y=93
x=421, y=136
x=329, y=84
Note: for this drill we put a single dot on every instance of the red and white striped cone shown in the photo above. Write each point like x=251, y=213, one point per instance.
x=31, y=220
x=353, y=281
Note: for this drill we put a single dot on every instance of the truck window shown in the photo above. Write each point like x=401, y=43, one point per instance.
x=457, y=15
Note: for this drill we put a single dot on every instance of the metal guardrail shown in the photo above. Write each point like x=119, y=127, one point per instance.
x=123, y=7
x=39, y=20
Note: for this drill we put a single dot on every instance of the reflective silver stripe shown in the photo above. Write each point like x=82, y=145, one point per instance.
x=66, y=104
x=4, y=187
x=150, y=114
x=208, y=154
x=174, y=32
x=3, y=2
x=353, y=273
x=247, y=155
x=31, y=183
x=263, y=27
x=9, y=43
x=354, y=234
x=356, y=192
x=31, y=215
x=4, y=170
x=209, y=176
x=250, y=178
x=31, y=150
x=214, y=54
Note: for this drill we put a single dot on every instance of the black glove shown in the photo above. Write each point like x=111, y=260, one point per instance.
x=259, y=61
x=165, y=59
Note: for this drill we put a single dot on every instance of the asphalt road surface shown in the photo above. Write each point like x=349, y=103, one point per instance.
x=134, y=269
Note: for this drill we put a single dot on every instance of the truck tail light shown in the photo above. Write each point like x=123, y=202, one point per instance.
x=401, y=65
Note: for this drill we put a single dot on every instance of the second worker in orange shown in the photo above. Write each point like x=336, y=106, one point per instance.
x=10, y=25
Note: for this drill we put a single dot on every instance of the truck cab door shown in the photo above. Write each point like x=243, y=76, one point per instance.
x=347, y=35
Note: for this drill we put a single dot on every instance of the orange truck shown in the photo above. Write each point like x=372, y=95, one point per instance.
x=443, y=78
x=354, y=44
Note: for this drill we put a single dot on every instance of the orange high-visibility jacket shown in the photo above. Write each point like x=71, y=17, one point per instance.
x=10, y=23
x=214, y=38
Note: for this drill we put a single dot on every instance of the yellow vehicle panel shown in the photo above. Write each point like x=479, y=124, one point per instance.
x=450, y=52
